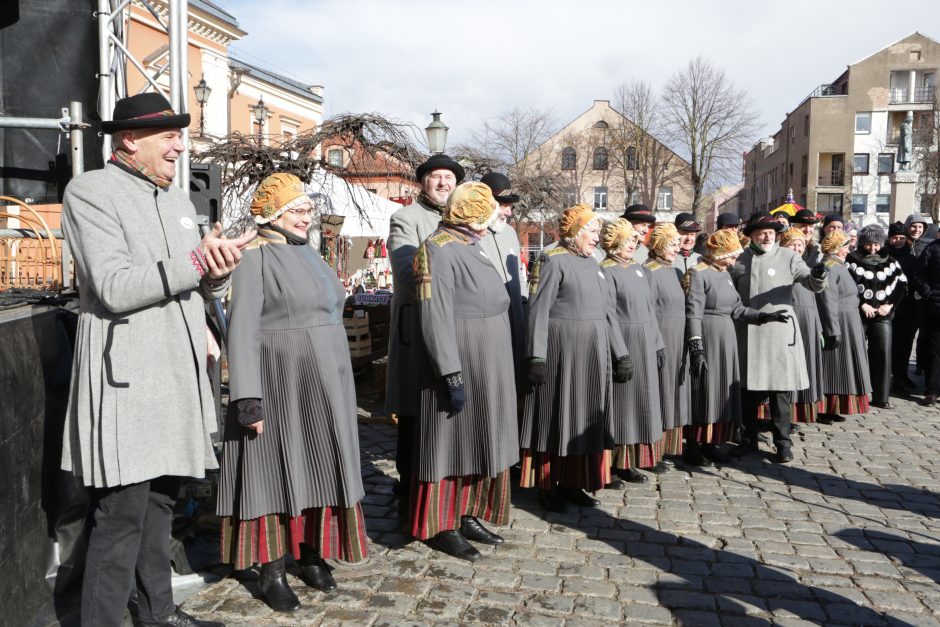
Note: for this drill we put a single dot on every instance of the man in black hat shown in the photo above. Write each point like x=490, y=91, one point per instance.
x=642, y=219
x=806, y=221
x=728, y=220
x=501, y=246
x=408, y=228
x=773, y=362
x=688, y=230
x=140, y=407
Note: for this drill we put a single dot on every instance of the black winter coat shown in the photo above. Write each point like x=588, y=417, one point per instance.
x=929, y=274
x=879, y=278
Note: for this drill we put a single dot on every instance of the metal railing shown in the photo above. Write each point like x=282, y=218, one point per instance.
x=899, y=95
x=832, y=179
x=919, y=137
x=827, y=89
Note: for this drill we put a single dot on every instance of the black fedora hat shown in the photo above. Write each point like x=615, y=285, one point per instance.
x=639, y=213
x=763, y=220
x=501, y=187
x=804, y=216
x=150, y=110
x=440, y=161
x=685, y=221
x=728, y=219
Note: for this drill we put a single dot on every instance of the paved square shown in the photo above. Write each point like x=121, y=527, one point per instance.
x=849, y=533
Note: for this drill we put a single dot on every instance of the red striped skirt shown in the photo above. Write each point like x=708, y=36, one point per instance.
x=335, y=532
x=844, y=404
x=637, y=455
x=672, y=441
x=805, y=412
x=709, y=434
x=438, y=506
x=543, y=470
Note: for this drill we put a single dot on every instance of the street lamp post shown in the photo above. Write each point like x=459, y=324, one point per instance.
x=202, y=96
x=260, y=111
x=437, y=134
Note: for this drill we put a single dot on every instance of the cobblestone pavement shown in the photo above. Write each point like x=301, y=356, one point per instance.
x=849, y=533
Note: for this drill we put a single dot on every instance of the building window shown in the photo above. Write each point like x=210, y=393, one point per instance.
x=883, y=203
x=601, y=124
x=664, y=199
x=863, y=123
x=569, y=158
x=335, y=157
x=571, y=196
x=859, y=203
x=631, y=158
x=885, y=163
x=600, y=158
x=632, y=199
x=600, y=199
x=861, y=164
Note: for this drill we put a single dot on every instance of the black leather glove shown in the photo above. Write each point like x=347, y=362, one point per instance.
x=819, y=271
x=697, y=364
x=660, y=358
x=780, y=315
x=538, y=372
x=831, y=342
x=248, y=411
x=456, y=396
x=623, y=369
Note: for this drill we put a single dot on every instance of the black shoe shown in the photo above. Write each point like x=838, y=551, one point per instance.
x=553, y=501
x=454, y=544
x=317, y=575
x=784, y=456
x=660, y=468
x=579, y=496
x=745, y=448
x=473, y=529
x=179, y=618
x=693, y=455
x=616, y=483
x=715, y=454
x=882, y=405
x=632, y=475
x=828, y=419
x=277, y=594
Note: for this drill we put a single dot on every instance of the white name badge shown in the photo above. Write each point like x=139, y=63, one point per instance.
x=600, y=274
x=771, y=272
x=187, y=223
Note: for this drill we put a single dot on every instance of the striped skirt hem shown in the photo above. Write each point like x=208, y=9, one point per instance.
x=672, y=441
x=845, y=404
x=437, y=506
x=545, y=471
x=805, y=412
x=333, y=532
x=627, y=456
x=709, y=434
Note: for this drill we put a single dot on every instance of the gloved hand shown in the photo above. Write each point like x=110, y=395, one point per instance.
x=456, y=396
x=248, y=411
x=831, y=342
x=780, y=315
x=660, y=358
x=819, y=271
x=697, y=364
x=623, y=369
x=538, y=373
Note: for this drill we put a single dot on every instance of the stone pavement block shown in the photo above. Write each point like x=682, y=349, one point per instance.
x=638, y=594
x=632, y=576
x=725, y=585
x=741, y=604
x=490, y=597
x=452, y=591
x=900, y=601
x=540, y=583
x=344, y=598
x=390, y=621
x=550, y=604
x=487, y=615
x=791, y=608
x=793, y=562
x=392, y=603
x=440, y=609
x=410, y=587
x=587, y=587
x=569, y=571
x=605, y=609
x=646, y=614
x=341, y=617
x=536, y=568
x=450, y=570
x=525, y=618
x=875, y=569
x=689, y=618
x=498, y=580
x=878, y=584
x=687, y=599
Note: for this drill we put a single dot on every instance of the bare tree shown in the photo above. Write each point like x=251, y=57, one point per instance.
x=713, y=121
x=928, y=161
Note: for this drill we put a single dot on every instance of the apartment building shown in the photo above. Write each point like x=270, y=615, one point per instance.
x=837, y=149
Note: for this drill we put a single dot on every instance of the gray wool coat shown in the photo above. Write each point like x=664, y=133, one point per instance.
x=408, y=228
x=771, y=355
x=503, y=251
x=140, y=404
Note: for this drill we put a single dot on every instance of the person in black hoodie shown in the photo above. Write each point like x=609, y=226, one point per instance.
x=909, y=312
x=928, y=271
x=882, y=284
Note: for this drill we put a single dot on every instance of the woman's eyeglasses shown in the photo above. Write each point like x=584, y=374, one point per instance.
x=302, y=212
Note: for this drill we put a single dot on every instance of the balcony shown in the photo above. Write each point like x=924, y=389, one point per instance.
x=832, y=179
x=828, y=90
x=918, y=95
x=920, y=137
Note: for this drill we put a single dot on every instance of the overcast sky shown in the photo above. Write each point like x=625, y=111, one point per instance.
x=474, y=60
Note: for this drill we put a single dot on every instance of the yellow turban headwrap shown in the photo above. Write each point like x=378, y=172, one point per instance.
x=275, y=195
x=616, y=234
x=723, y=243
x=471, y=204
x=574, y=219
x=790, y=235
x=834, y=241
x=661, y=237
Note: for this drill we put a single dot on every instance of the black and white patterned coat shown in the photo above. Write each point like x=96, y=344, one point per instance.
x=880, y=279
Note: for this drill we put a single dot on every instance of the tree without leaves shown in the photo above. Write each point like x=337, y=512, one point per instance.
x=713, y=121
x=928, y=161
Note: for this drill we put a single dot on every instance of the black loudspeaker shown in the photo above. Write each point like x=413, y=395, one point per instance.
x=205, y=190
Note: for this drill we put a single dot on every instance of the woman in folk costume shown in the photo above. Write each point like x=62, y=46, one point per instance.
x=712, y=307
x=291, y=479
x=846, y=381
x=637, y=424
x=466, y=434
x=574, y=348
x=669, y=300
x=811, y=325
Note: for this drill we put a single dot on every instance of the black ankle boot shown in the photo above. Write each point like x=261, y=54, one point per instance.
x=454, y=544
x=317, y=575
x=473, y=529
x=632, y=475
x=277, y=594
x=578, y=497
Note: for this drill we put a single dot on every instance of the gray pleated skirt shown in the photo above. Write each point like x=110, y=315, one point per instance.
x=636, y=416
x=807, y=318
x=308, y=454
x=716, y=396
x=845, y=368
x=674, y=392
x=569, y=414
x=483, y=439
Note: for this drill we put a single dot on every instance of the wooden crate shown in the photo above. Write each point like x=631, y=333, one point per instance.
x=357, y=334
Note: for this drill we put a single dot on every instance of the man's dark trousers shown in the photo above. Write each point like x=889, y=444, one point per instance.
x=781, y=409
x=130, y=541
